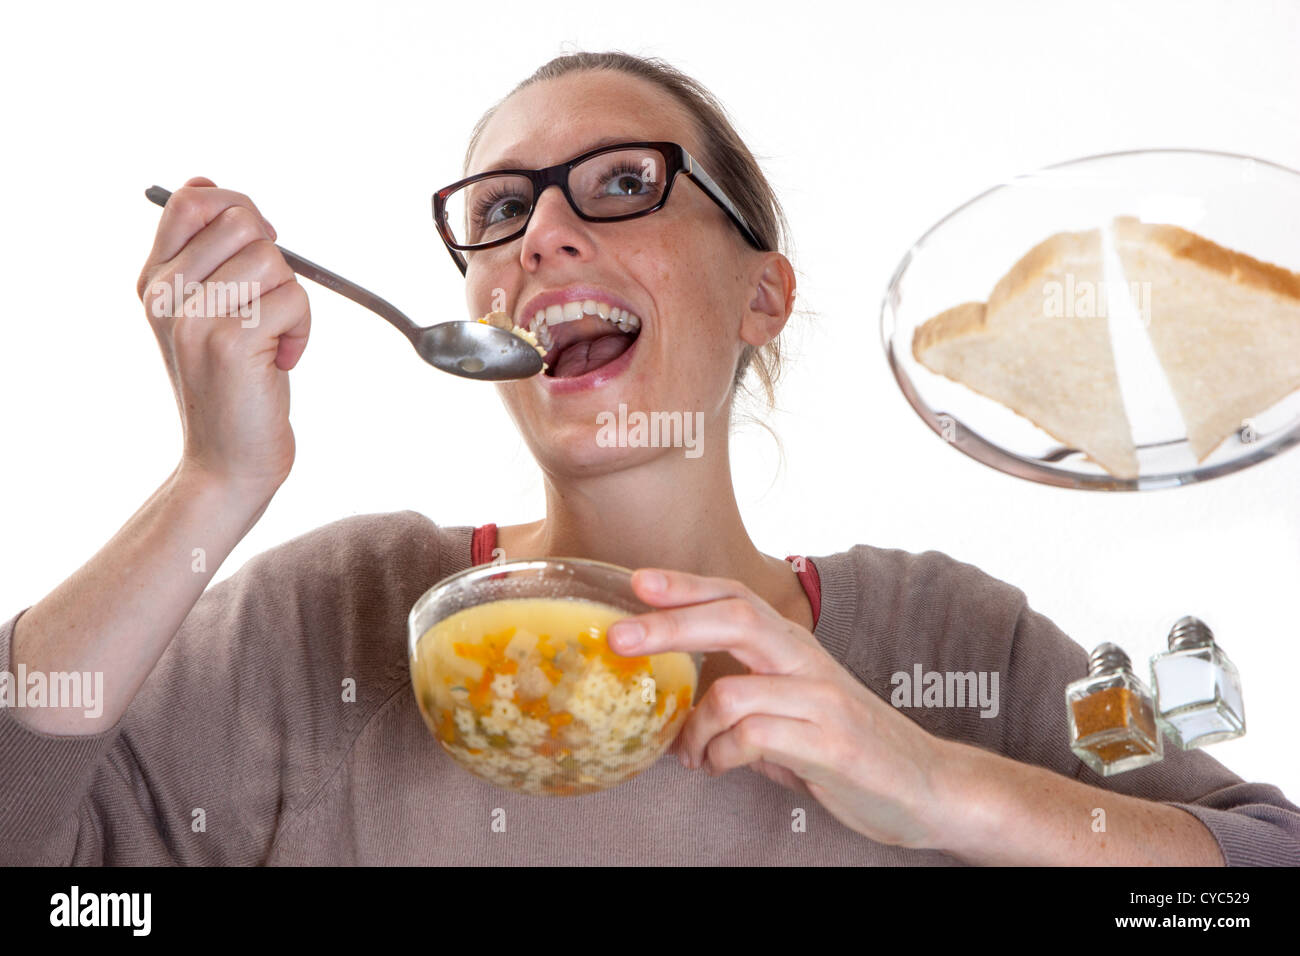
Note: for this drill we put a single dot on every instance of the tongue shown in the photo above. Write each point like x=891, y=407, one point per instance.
x=583, y=357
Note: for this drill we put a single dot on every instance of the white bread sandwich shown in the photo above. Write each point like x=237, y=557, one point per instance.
x=1225, y=326
x=1056, y=370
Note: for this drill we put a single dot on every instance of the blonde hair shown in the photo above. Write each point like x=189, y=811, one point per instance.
x=727, y=159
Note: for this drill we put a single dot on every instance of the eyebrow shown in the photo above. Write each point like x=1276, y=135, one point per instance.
x=511, y=162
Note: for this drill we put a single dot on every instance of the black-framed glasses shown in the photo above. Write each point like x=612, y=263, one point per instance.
x=608, y=184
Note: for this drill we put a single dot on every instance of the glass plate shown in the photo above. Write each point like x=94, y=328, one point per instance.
x=1248, y=205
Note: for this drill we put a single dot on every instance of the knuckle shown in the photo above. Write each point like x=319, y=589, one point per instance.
x=751, y=733
x=241, y=222
x=188, y=201
x=727, y=694
x=268, y=258
x=666, y=626
x=298, y=299
x=744, y=613
x=143, y=285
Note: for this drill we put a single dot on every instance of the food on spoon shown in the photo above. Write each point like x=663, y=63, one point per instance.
x=503, y=321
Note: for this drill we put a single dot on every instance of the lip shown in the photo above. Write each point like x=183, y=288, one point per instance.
x=593, y=379
x=570, y=293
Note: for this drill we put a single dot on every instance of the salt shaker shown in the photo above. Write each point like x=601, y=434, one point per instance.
x=1198, y=690
x=1112, y=717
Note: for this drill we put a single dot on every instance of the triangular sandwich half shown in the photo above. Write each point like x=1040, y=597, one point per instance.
x=1041, y=347
x=1225, y=326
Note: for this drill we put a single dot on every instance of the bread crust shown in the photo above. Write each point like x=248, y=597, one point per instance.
x=960, y=320
x=1232, y=265
x=1047, y=255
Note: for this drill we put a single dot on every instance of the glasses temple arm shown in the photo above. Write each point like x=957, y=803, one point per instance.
x=692, y=169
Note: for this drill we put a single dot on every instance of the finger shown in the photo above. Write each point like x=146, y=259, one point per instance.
x=236, y=228
x=276, y=330
x=188, y=210
x=289, y=324
x=293, y=340
x=731, y=699
x=788, y=743
x=781, y=775
x=751, y=631
x=664, y=587
x=258, y=268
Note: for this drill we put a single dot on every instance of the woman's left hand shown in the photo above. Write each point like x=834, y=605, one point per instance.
x=798, y=717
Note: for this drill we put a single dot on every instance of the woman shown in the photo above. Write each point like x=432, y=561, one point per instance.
x=271, y=719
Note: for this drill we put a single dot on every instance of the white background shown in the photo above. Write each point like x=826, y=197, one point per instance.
x=873, y=121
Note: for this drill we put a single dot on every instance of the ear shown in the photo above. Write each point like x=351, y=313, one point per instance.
x=773, y=300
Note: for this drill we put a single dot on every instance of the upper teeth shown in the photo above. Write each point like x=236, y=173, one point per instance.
x=571, y=311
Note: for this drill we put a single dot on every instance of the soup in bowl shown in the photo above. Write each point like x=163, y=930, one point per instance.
x=514, y=676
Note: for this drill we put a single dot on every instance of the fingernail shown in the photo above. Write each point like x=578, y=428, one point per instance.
x=269, y=228
x=654, y=580
x=627, y=633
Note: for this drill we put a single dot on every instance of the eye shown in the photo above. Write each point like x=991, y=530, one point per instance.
x=624, y=179
x=499, y=205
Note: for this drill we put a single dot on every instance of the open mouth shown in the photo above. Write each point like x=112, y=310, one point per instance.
x=580, y=337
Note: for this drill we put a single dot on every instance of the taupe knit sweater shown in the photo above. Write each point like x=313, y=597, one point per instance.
x=244, y=719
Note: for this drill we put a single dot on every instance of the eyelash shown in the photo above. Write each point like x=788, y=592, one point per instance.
x=485, y=203
x=623, y=169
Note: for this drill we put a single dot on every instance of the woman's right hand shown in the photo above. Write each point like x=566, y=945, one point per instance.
x=229, y=371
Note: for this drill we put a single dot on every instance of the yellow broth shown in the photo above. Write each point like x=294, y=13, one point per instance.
x=527, y=694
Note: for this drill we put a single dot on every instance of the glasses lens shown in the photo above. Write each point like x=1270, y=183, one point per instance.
x=489, y=209
x=618, y=183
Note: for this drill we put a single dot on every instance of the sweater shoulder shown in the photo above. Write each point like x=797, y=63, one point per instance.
x=889, y=607
x=374, y=541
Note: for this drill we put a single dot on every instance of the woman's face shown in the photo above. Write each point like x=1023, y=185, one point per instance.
x=685, y=271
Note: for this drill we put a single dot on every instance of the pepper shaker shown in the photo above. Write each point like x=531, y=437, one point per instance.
x=1112, y=717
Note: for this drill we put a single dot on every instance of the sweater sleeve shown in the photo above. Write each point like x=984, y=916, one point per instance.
x=948, y=616
x=1253, y=823
x=257, y=697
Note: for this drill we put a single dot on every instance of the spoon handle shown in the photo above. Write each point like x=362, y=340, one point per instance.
x=330, y=280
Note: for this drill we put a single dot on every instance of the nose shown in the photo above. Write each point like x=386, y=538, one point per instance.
x=554, y=232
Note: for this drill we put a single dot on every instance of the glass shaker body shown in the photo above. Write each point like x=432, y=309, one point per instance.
x=1112, y=722
x=1198, y=694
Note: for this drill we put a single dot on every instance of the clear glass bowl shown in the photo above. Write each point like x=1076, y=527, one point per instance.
x=1246, y=204
x=514, y=677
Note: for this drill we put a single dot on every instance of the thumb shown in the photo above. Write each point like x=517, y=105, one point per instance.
x=199, y=181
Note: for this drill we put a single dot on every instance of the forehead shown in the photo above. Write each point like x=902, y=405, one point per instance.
x=554, y=120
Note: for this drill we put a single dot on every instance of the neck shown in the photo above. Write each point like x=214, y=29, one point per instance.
x=669, y=511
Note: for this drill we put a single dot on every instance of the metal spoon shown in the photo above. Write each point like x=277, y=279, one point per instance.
x=464, y=347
